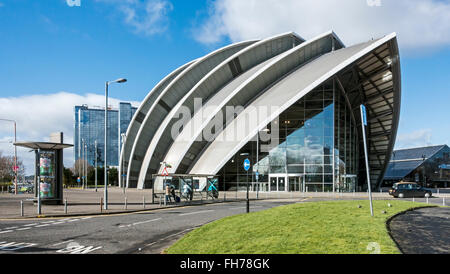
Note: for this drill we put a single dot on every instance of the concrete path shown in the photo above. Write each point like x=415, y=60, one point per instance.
x=423, y=231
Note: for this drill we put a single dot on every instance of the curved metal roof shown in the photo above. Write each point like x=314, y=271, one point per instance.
x=228, y=71
x=259, y=75
x=298, y=84
x=169, y=98
x=263, y=74
x=141, y=113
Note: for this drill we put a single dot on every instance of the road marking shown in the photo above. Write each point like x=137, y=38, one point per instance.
x=58, y=223
x=6, y=231
x=12, y=246
x=139, y=223
x=25, y=228
x=13, y=227
x=65, y=242
x=144, y=222
x=75, y=248
x=42, y=225
x=197, y=212
x=49, y=222
x=31, y=224
x=86, y=218
x=73, y=220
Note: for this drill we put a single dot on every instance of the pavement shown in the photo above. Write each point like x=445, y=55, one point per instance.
x=148, y=231
x=423, y=231
x=87, y=202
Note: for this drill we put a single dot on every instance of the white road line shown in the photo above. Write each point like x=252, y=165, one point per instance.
x=25, y=228
x=31, y=224
x=65, y=242
x=86, y=218
x=139, y=223
x=6, y=231
x=13, y=227
x=58, y=223
x=73, y=220
x=49, y=222
x=197, y=212
x=144, y=222
x=42, y=225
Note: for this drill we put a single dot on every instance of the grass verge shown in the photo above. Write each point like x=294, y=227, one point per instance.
x=336, y=227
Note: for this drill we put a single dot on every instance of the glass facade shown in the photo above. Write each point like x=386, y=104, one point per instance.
x=90, y=127
x=312, y=132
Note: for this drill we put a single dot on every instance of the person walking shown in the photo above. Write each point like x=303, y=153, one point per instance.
x=172, y=191
x=168, y=193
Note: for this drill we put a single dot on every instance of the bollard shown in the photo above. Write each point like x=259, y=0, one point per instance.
x=414, y=200
x=65, y=206
x=224, y=196
x=101, y=205
x=125, y=205
x=143, y=201
x=427, y=201
x=443, y=201
x=160, y=202
x=21, y=208
x=438, y=191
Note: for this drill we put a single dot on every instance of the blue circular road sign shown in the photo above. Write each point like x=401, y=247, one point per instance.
x=246, y=164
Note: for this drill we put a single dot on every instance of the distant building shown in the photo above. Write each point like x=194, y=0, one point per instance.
x=428, y=166
x=90, y=127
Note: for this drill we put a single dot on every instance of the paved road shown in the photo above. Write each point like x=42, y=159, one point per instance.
x=147, y=232
x=423, y=231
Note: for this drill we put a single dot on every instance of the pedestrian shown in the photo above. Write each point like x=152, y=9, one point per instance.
x=173, y=193
x=168, y=194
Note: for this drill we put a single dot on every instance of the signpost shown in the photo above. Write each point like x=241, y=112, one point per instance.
x=363, y=126
x=247, y=165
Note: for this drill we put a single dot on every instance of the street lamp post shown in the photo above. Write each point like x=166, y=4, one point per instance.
x=82, y=163
x=123, y=135
x=95, y=144
x=257, y=162
x=15, y=153
x=85, y=167
x=121, y=80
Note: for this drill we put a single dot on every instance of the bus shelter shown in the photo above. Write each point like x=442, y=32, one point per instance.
x=48, y=176
x=187, y=186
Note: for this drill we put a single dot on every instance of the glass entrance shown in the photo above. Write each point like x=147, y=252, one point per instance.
x=277, y=183
x=296, y=184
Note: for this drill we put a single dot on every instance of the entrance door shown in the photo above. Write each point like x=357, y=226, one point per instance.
x=278, y=183
x=273, y=184
x=295, y=184
x=281, y=184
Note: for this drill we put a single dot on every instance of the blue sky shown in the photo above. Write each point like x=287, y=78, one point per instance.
x=50, y=50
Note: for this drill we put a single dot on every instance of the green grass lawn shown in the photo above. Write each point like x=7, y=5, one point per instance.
x=337, y=227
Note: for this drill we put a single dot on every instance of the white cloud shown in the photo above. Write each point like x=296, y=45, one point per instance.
x=147, y=17
x=418, y=138
x=419, y=24
x=38, y=116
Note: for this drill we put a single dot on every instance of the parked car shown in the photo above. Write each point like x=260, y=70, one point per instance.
x=409, y=190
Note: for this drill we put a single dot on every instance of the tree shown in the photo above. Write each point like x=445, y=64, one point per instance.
x=7, y=173
x=68, y=177
x=113, y=176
